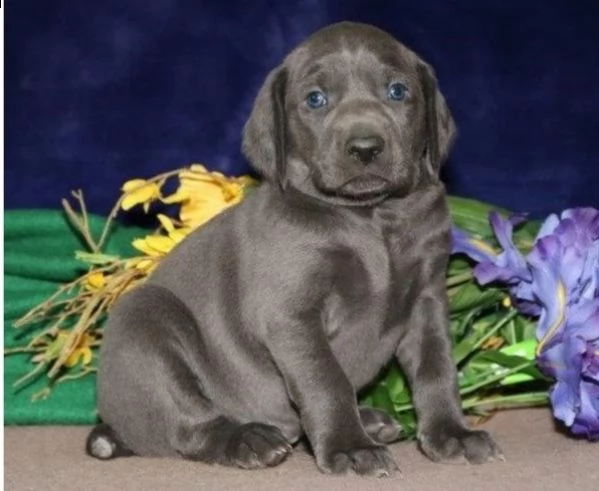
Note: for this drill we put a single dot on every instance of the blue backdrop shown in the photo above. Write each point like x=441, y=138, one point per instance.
x=98, y=92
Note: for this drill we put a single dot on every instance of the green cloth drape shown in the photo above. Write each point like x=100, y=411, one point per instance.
x=39, y=256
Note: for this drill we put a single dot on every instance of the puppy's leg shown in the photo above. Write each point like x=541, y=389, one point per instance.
x=381, y=427
x=326, y=400
x=426, y=358
x=150, y=390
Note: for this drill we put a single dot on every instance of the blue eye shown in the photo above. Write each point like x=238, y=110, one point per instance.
x=316, y=99
x=397, y=91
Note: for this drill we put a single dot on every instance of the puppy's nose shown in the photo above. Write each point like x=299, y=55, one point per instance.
x=365, y=148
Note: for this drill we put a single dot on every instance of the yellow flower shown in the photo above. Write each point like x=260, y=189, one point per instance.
x=142, y=263
x=159, y=245
x=203, y=194
x=154, y=245
x=177, y=234
x=139, y=191
x=95, y=281
x=81, y=352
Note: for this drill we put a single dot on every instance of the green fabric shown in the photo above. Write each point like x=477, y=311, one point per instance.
x=39, y=256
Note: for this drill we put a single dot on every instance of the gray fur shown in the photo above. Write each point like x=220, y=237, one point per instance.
x=261, y=326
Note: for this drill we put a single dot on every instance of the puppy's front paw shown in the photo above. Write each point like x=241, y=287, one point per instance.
x=255, y=445
x=371, y=460
x=460, y=445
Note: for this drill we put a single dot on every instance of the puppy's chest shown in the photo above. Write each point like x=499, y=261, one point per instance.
x=369, y=281
x=365, y=311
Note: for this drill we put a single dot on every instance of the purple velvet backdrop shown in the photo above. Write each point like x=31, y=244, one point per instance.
x=98, y=92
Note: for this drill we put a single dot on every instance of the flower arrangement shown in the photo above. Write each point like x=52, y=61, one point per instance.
x=524, y=300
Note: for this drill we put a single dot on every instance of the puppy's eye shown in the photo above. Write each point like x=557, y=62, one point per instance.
x=397, y=91
x=316, y=99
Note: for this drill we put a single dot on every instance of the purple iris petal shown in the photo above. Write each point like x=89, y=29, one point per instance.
x=586, y=422
x=574, y=362
x=547, y=287
x=524, y=299
x=509, y=266
x=563, y=362
x=548, y=226
x=559, y=283
x=473, y=248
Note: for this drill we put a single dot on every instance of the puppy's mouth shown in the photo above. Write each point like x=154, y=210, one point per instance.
x=364, y=187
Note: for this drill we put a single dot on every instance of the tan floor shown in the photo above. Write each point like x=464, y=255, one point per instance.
x=538, y=458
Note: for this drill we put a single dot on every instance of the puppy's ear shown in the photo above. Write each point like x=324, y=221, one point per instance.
x=264, y=133
x=440, y=126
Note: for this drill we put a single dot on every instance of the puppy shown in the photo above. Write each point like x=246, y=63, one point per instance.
x=260, y=327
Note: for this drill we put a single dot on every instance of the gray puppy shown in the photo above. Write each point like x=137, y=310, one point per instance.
x=260, y=327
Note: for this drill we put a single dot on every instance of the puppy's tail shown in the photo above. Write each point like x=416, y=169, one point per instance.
x=102, y=443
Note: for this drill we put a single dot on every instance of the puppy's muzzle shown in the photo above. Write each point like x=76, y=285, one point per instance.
x=365, y=149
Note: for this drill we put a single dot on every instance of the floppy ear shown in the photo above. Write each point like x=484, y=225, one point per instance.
x=440, y=126
x=264, y=133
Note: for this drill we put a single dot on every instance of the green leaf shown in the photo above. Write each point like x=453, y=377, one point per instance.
x=397, y=388
x=499, y=361
x=459, y=327
x=508, y=332
x=470, y=295
x=525, y=235
x=407, y=420
x=527, y=328
x=381, y=399
x=458, y=265
x=472, y=216
x=495, y=377
x=524, y=349
x=472, y=342
x=95, y=258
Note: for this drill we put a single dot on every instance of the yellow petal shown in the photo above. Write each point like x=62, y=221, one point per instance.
x=166, y=223
x=73, y=358
x=198, y=168
x=144, y=192
x=87, y=355
x=147, y=267
x=96, y=281
x=232, y=191
x=176, y=197
x=87, y=339
x=179, y=235
x=160, y=243
x=142, y=245
x=196, y=213
x=133, y=184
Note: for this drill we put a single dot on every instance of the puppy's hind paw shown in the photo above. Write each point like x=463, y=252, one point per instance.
x=379, y=426
x=102, y=443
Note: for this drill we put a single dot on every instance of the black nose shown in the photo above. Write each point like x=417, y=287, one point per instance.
x=365, y=148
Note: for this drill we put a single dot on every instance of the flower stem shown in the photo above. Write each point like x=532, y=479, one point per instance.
x=522, y=400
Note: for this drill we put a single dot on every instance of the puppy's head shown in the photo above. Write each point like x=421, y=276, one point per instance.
x=351, y=116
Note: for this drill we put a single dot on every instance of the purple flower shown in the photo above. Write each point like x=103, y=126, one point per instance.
x=508, y=266
x=559, y=282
